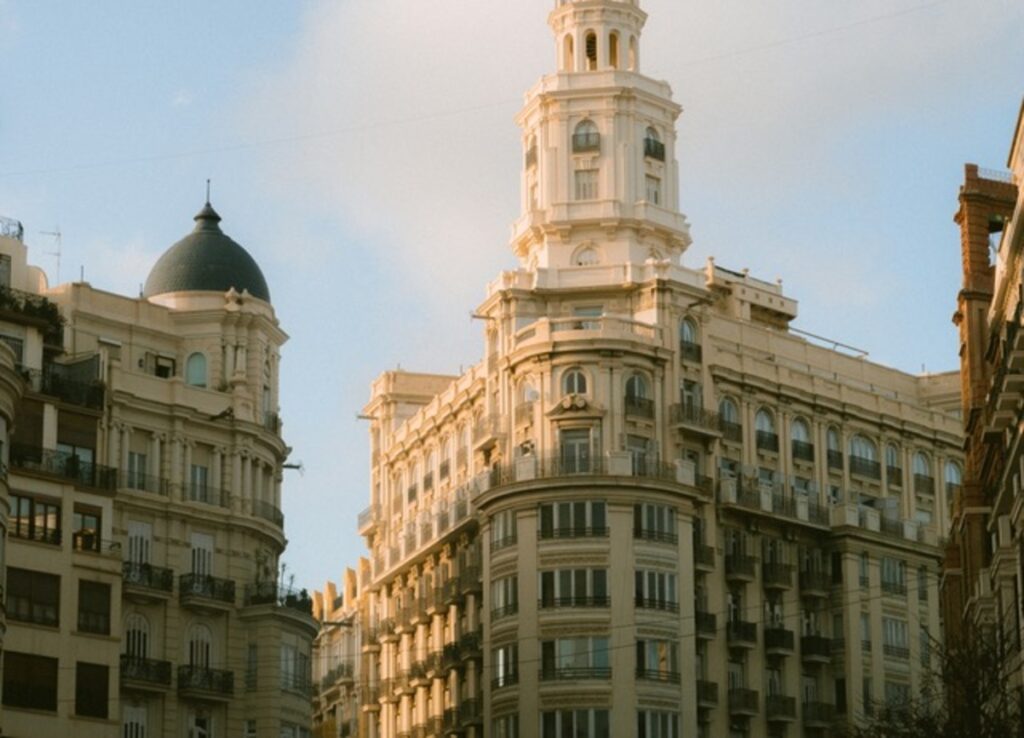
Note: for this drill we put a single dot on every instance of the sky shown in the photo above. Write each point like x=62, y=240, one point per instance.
x=365, y=153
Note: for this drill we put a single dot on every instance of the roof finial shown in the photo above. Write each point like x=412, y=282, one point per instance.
x=207, y=190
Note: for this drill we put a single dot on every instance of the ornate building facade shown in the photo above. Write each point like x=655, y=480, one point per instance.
x=143, y=455
x=654, y=508
x=984, y=568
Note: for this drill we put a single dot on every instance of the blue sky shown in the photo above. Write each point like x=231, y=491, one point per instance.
x=365, y=154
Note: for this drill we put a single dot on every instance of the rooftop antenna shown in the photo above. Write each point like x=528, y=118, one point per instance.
x=58, y=238
x=207, y=190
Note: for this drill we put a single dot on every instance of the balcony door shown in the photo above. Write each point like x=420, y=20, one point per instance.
x=202, y=554
x=575, y=450
x=140, y=537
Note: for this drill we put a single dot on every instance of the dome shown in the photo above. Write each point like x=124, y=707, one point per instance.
x=206, y=260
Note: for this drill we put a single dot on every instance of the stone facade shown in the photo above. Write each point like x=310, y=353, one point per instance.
x=653, y=508
x=143, y=453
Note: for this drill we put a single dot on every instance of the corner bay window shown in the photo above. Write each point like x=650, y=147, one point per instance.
x=575, y=723
x=658, y=660
x=655, y=523
x=575, y=658
x=573, y=520
x=574, y=588
x=657, y=724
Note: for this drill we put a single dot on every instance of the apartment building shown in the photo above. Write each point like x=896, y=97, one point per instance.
x=143, y=456
x=984, y=566
x=654, y=508
x=337, y=659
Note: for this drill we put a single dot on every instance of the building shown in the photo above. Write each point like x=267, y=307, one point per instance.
x=654, y=508
x=337, y=659
x=143, y=456
x=984, y=567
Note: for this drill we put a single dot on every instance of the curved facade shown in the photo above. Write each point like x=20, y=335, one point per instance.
x=653, y=509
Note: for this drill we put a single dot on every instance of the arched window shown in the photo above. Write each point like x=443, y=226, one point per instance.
x=136, y=636
x=428, y=473
x=613, y=50
x=586, y=137
x=653, y=147
x=636, y=387
x=574, y=382
x=728, y=411
x=764, y=421
x=832, y=439
x=863, y=448
x=892, y=456
x=922, y=465
x=568, y=54
x=688, y=331
x=954, y=475
x=195, y=370
x=200, y=646
x=591, y=51
x=799, y=431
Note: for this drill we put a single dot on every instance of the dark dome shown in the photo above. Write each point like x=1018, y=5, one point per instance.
x=206, y=260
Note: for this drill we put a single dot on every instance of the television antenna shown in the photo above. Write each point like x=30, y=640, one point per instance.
x=58, y=239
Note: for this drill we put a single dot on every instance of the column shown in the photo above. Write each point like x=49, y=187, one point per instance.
x=186, y=471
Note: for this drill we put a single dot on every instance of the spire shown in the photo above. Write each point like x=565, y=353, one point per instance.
x=207, y=219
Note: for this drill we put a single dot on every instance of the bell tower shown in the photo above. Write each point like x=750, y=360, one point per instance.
x=600, y=177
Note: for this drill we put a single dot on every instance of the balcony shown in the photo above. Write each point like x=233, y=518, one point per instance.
x=63, y=466
x=741, y=634
x=367, y=519
x=655, y=603
x=731, y=431
x=818, y=714
x=201, y=683
x=704, y=556
x=146, y=582
x=269, y=593
x=924, y=485
x=690, y=351
x=803, y=451
x=739, y=567
x=780, y=708
x=574, y=602
x=207, y=495
x=868, y=468
x=28, y=307
x=767, y=441
x=743, y=701
x=815, y=649
x=779, y=641
x=504, y=680
x=707, y=624
x=74, y=384
x=814, y=583
x=894, y=476
x=470, y=712
x=835, y=460
x=707, y=693
x=654, y=149
x=144, y=674
x=901, y=653
x=655, y=536
x=269, y=512
x=658, y=675
x=639, y=407
x=575, y=673
x=139, y=482
x=486, y=431
x=894, y=589
x=586, y=142
x=203, y=592
x=776, y=576
x=695, y=419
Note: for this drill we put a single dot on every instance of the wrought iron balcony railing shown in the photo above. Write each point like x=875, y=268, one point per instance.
x=206, y=587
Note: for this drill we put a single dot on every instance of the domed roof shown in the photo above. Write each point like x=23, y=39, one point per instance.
x=206, y=260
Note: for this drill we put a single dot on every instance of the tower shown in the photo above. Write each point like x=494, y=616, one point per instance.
x=600, y=178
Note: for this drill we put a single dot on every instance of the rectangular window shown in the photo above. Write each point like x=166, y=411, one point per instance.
x=85, y=534
x=586, y=184
x=35, y=519
x=94, y=607
x=654, y=190
x=136, y=476
x=922, y=584
x=867, y=696
x=91, y=690
x=573, y=520
x=295, y=673
x=894, y=576
x=656, y=590
x=134, y=720
x=588, y=723
x=865, y=631
x=574, y=588
x=506, y=726
x=30, y=681
x=504, y=597
x=33, y=597
x=140, y=537
x=199, y=489
x=657, y=724
x=575, y=658
x=202, y=554
x=251, y=666
x=506, y=664
x=657, y=660
x=503, y=530
x=895, y=638
x=574, y=451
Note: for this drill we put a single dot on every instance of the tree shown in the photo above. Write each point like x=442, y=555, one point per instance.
x=974, y=691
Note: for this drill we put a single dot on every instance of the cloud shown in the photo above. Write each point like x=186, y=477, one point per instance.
x=182, y=98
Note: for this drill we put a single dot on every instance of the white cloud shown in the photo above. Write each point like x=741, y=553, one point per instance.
x=181, y=99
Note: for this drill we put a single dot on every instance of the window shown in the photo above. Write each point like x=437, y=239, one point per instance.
x=653, y=147
x=653, y=194
x=657, y=660
x=613, y=50
x=954, y=477
x=764, y=423
x=504, y=597
x=575, y=658
x=574, y=588
x=864, y=458
x=893, y=465
x=657, y=724
x=136, y=638
x=250, y=729
x=251, y=666
x=199, y=489
x=800, y=436
x=136, y=476
x=33, y=597
x=35, y=519
x=655, y=523
x=636, y=387
x=894, y=576
x=688, y=332
x=895, y=638
x=922, y=583
x=503, y=530
x=591, y=51
x=134, y=720
x=86, y=533
x=506, y=664
x=575, y=451
x=863, y=564
x=195, y=370
x=295, y=669
x=30, y=681
x=922, y=465
x=140, y=536
x=574, y=382
x=589, y=723
x=729, y=418
x=94, y=607
x=573, y=519
x=656, y=590
x=91, y=689
x=200, y=725
x=506, y=726
x=200, y=644
x=202, y=554
x=585, y=181
x=835, y=450
x=897, y=694
x=163, y=367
